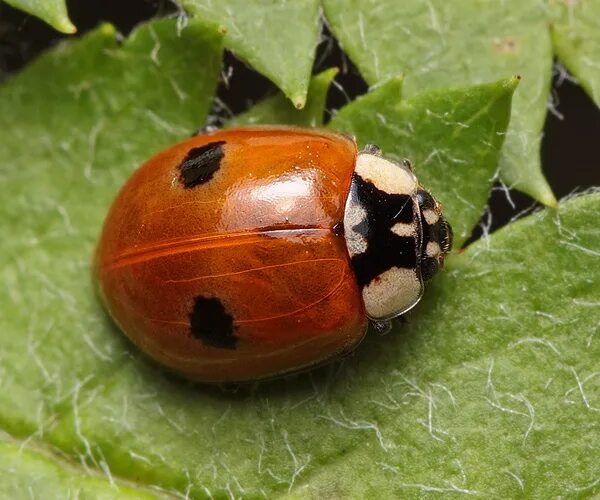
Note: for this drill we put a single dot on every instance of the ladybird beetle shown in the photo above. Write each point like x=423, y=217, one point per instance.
x=249, y=253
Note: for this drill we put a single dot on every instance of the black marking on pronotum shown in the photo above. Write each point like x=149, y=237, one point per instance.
x=200, y=164
x=212, y=324
x=385, y=249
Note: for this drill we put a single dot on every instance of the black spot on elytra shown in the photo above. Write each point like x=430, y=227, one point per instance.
x=200, y=164
x=385, y=249
x=212, y=324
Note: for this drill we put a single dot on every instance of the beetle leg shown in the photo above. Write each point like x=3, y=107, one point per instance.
x=382, y=327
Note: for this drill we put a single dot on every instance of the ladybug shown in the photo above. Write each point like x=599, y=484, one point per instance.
x=249, y=253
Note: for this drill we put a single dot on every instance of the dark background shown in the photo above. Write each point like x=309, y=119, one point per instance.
x=570, y=146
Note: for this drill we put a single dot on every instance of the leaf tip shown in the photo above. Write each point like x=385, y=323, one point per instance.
x=107, y=29
x=66, y=26
x=298, y=93
x=394, y=83
x=549, y=200
x=330, y=73
x=513, y=82
x=299, y=102
x=542, y=193
x=52, y=13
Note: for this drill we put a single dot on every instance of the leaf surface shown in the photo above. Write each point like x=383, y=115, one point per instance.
x=576, y=37
x=277, y=39
x=279, y=110
x=440, y=44
x=42, y=473
x=53, y=12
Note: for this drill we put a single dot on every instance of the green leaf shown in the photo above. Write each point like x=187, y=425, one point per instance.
x=453, y=137
x=278, y=109
x=53, y=12
x=440, y=44
x=576, y=37
x=43, y=474
x=491, y=386
x=75, y=123
x=276, y=38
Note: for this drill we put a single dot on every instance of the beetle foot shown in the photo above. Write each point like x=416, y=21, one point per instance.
x=382, y=327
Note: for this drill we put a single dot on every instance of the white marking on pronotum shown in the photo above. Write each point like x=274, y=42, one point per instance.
x=403, y=229
x=355, y=215
x=433, y=249
x=430, y=216
x=385, y=175
x=393, y=292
